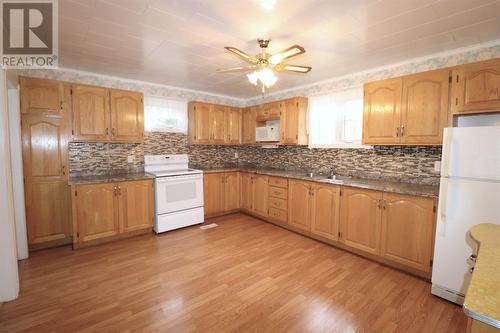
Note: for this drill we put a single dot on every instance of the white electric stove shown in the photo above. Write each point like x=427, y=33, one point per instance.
x=178, y=191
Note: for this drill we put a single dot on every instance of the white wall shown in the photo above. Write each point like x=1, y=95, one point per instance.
x=16, y=155
x=9, y=279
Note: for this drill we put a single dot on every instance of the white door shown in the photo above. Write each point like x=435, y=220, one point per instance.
x=175, y=193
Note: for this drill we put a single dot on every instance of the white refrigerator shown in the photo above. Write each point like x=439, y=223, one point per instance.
x=469, y=194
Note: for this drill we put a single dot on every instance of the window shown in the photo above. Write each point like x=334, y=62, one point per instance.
x=336, y=120
x=165, y=115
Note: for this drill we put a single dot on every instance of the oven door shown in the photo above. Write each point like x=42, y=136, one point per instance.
x=175, y=193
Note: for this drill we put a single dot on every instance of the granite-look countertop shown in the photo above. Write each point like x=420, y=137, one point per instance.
x=108, y=178
x=370, y=184
x=482, y=301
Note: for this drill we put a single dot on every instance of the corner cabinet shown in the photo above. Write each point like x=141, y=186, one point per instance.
x=409, y=110
x=476, y=88
x=107, y=211
x=107, y=115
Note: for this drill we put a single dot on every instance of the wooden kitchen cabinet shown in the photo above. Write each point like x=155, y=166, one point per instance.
x=136, y=205
x=299, y=204
x=221, y=192
x=248, y=125
x=199, y=124
x=91, y=117
x=42, y=97
x=213, y=191
x=97, y=214
x=382, y=111
x=111, y=210
x=107, y=115
x=218, y=122
x=233, y=125
x=476, y=88
x=246, y=191
x=360, y=219
x=407, y=230
x=325, y=209
x=424, y=111
x=231, y=191
x=293, y=121
x=269, y=111
x=127, y=116
x=259, y=194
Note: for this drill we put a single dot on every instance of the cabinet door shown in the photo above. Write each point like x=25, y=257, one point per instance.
x=299, y=204
x=233, y=126
x=424, y=111
x=136, y=209
x=360, y=219
x=199, y=123
x=259, y=195
x=476, y=87
x=213, y=191
x=289, y=122
x=248, y=131
x=231, y=191
x=47, y=201
x=218, y=121
x=325, y=211
x=91, y=119
x=382, y=112
x=96, y=211
x=127, y=116
x=407, y=230
x=42, y=97
x=246, y=191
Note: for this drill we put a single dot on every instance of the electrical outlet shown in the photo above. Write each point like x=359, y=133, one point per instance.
x=236, y=155
x=130, y=159
x=437, y=166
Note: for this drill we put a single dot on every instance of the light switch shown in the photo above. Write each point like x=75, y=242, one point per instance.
x=437, y=166
x=130, y=159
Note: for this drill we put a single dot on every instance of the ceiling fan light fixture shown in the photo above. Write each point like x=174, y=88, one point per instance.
x=286, y=54
x=267, y=5
x=265, y=76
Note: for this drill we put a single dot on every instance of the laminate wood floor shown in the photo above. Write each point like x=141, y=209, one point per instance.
x=244, y=276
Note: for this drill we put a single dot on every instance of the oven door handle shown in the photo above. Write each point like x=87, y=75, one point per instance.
x=170, y=179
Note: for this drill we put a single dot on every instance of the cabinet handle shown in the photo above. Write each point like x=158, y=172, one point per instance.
x=385, y=204
x=107, y=131
x=63, y=169
x=113, y=131
x=115, y=191
x=379, y=203
x=397, y=131
x=62, y=104
x=119, y=190
x=402, y=130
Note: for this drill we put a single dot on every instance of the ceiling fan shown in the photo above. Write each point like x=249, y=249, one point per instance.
x=264, y=64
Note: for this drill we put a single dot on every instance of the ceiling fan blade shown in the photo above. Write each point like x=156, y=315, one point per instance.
x=242, y=55
x=294, y=68
x=236, y=69
x=288, y=53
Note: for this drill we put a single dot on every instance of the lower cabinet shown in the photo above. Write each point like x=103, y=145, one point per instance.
x=259, y=195
x=407, y=230
x=110, y=209
x=396, y=227
x=221, y=192
x=246, y=191
x=360, y=219
x=314, y=208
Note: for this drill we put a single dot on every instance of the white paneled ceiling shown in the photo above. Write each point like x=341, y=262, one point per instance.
x=180, y=42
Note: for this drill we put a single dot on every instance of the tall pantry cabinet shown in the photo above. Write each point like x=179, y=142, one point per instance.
x=46, y=129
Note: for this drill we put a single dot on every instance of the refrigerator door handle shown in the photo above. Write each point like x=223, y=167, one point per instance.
x=445, y=164
x=443, y=200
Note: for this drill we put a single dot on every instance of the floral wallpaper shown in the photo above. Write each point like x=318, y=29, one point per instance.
x=151, y=89
x=356, y=80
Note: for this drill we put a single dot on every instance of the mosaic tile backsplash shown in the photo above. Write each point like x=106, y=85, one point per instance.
x=408, y=164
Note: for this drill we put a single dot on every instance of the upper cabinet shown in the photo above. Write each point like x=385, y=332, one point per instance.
x=410, y=110
x=248, y=125
x=214, y=124
x=42, y=97
x=102, y=114
x=293, y=121
x=476, y=88
x=127, y=116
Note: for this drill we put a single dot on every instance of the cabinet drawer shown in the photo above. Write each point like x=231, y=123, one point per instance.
x=278, y=181
x=278, y=203
x=278, y=214
x=278, y=192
